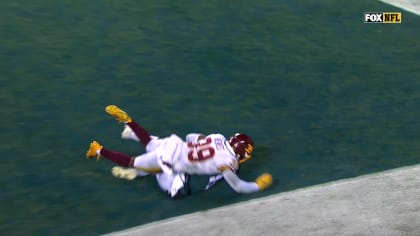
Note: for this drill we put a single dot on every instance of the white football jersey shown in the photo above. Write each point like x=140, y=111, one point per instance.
x=207, y=156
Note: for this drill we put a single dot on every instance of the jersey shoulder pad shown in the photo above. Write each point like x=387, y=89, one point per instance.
x=217, y=135
x=193, y=137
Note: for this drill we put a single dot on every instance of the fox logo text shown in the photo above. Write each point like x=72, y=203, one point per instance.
x=382, y=17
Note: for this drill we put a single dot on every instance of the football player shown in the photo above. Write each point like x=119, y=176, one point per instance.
x=172, y=160
x=132, y=173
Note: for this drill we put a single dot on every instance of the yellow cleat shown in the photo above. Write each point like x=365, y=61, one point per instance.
x=93, y=150
x=118, y=114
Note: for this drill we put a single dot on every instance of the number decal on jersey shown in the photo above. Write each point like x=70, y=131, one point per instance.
x=200, y=151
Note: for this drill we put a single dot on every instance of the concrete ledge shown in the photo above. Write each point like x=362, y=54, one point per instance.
x=386, y=203
x=412, y=6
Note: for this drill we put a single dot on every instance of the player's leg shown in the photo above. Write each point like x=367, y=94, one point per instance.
x=180, y=186
x=164, y=181
x=142, y=134
x=175, y=185
x=146, y=163
x=97, y=150
x=152, y=145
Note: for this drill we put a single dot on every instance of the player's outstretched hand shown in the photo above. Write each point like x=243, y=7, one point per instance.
x=264, y=181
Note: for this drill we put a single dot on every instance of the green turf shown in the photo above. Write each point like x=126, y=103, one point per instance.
x=324, y=95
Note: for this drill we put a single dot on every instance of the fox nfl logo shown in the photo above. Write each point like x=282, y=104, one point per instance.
x=382, y=17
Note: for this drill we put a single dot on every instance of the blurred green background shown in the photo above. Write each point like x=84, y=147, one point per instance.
x=324, y=96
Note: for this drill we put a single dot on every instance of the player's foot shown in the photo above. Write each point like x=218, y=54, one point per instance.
x=124, y=173
x=118, y=114
x=93, y=150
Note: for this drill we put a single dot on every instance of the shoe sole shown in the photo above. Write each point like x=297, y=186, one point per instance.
x=117, y=113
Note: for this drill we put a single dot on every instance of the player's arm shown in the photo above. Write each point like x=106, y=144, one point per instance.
x=240, y=186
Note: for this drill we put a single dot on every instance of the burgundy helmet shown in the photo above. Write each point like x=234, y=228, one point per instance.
x=242, y=145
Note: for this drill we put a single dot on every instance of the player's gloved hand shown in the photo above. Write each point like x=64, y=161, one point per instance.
x=264, y=181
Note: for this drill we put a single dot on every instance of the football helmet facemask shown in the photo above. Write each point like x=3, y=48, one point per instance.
x=242, y=145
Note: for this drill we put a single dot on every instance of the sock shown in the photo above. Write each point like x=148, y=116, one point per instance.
x=117, y=157
x=140, y=132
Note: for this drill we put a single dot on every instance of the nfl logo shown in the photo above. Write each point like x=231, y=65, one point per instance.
x=382, y=17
